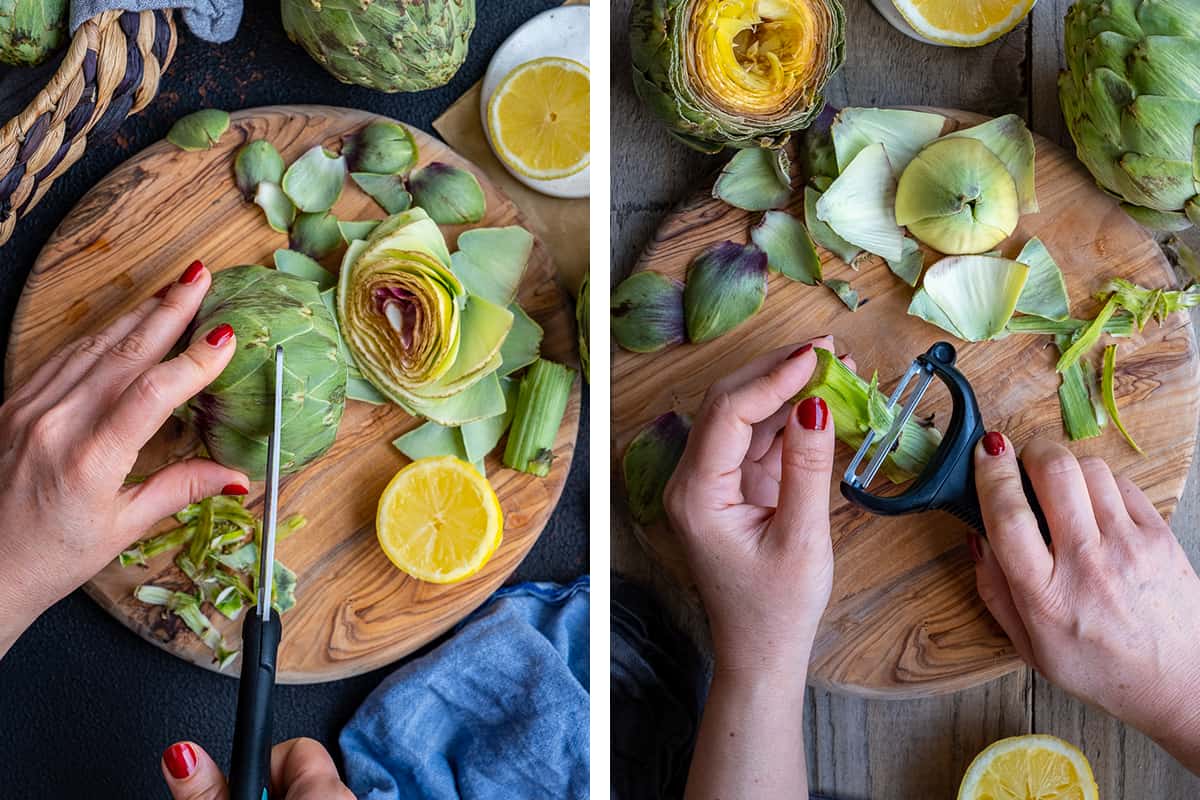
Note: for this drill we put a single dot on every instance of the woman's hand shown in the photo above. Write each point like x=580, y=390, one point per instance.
x=70, y=436
x=1111, y=611
x=301, y=769
x=750, y=498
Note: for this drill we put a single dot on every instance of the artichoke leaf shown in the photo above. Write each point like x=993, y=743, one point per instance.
x=481, y=400
x=315, y=235
x=647, y=312
x=755, y=179
x=726, y=285
x=522, y=345
x=275, y=204
x=649, y=461
x=1009, y=139
x=450, y=195
x=481, y=437
x=790, y=250
x=977, y=294
x=1045, y=293
x=382, y=147
x=389, y=191
x=491, y=261
x=303, y=266
x=360, y=389
x=431, y=440
x=257, y=161
x=199, y=130
x=908, y=268
x=860, y=206
x=1075, y=400
x=822, y=234
x=314, y=181
x=902, y=133
x=845, y=292
x=1109, y=395
x=484, y=327
x=922, y=306
x=352, y=230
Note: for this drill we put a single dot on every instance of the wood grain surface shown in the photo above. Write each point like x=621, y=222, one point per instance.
x=905, y=619
x=135, y=231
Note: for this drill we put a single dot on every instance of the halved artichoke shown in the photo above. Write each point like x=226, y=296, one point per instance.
x=742, y=73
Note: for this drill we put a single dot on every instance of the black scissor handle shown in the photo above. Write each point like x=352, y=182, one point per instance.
x=948, y=481
x=250, y=769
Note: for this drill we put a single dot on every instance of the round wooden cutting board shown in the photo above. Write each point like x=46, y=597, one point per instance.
x=905, y=619
x=136, y=231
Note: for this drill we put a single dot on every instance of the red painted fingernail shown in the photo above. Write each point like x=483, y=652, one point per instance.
x=813, y=414
x=220, y=334
x=993, y=443
x=801, y=351
x=842, y=357
x=192, y=272
x=161, y=293
x=180, y=759
x=234, y=488
x=975, y=544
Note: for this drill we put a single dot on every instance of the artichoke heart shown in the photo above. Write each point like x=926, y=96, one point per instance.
x=736, y=72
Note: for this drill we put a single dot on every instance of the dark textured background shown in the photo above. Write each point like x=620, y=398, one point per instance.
x=86, y=707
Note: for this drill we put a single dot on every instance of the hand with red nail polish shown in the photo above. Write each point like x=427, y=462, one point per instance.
x=69, y=437
x=301, y=769
x=1111, y=611
x=750, y=501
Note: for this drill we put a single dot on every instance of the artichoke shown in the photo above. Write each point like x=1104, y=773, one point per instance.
x=389, y=45
x=1129, y=96
x=742, y=73
x=31, y=30
x=233, y=415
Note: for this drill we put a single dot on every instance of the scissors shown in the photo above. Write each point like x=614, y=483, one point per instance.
x=250, y=770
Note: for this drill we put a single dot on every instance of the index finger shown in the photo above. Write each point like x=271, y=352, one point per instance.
x=721, y=438
x=1012, y=528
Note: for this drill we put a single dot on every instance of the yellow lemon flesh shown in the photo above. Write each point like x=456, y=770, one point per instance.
x=439, y=520
x=963, y=23
x=539, y=119
x=1034, y=767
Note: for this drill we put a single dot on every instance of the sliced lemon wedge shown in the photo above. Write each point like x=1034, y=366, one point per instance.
x=539, y=119
x=1034, y=767
x=963, y=23
x=439, y=520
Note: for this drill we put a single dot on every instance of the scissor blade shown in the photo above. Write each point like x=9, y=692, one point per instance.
x=266, y=572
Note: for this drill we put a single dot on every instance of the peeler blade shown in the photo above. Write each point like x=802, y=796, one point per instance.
x=917, y=368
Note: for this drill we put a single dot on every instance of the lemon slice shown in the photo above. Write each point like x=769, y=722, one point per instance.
x=439, y=520
x=1032, y=767
x=539, y=120
x=963, y=23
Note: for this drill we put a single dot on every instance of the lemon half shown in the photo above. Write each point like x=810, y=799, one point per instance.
x=1035, y=767
x=539, y=119
x=439, y=520
x=963, y=23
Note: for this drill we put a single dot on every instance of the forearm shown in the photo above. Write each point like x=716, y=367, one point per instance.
x=751, y=742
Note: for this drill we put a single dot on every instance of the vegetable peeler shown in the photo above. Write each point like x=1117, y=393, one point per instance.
x=948, y=482
x=250, y=770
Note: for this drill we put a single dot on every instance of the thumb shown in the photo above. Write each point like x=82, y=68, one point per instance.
x=806, y=468
x=176, y=485
x=191, y=774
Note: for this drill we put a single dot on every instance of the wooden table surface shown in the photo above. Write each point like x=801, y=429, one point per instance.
x=904, y=750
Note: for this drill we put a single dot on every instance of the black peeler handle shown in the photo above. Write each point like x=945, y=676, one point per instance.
x=948, y=482
x=250, y=769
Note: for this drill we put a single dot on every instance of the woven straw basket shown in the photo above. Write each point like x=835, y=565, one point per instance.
x=111, y=71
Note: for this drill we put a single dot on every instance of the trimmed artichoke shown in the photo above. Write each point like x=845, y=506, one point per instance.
x=31, y=30
x=743, y=73
x=389, y=45
x=1129, y=95
x=233, y=415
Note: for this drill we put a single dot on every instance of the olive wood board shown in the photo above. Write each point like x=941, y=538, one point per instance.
x=904, y=619
x=137, y=230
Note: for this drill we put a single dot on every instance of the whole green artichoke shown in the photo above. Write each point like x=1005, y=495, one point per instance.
x=743, y=73
x=233, y=415
x=1131, y=98
x=31, y=30
x=389, y=45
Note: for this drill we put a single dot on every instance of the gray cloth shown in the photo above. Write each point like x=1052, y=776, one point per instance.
x=210, y=20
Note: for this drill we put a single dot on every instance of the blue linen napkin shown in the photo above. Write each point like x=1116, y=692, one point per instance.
x=499, y=711
x=210, y=20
